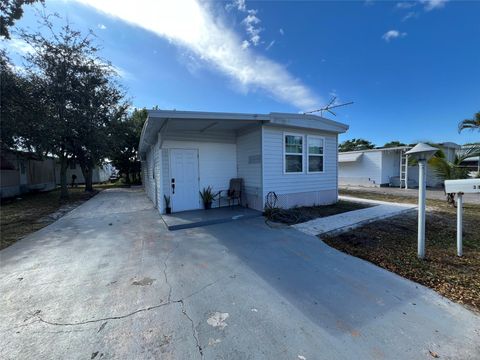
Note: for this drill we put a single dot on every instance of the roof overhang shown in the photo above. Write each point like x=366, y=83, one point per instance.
x=350, y=157
x=159, y=120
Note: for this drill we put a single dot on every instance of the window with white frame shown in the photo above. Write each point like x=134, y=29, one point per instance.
x=315, y=147
x=293, y=150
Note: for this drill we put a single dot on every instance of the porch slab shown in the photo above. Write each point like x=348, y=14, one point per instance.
x=199, y=218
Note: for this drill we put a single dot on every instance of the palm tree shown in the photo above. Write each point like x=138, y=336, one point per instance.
x=471, y=124
x=450, y=170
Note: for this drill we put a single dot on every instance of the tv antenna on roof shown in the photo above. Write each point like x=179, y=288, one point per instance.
x=328, y=107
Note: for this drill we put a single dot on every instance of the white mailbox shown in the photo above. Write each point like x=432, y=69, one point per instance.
x=466, y=186
x=460, y=187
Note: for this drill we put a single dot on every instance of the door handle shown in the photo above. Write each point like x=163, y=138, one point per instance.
x=173, y=186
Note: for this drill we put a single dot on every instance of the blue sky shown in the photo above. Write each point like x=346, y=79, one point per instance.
x=412, y=68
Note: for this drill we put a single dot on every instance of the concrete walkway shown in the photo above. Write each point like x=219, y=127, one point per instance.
x=434, y=194
x=109, y=281
x=352, y=219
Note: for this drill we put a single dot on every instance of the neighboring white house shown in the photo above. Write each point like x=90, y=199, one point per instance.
x=22, y=172
x=382, y=167
x=293, y=155
x=100, y=173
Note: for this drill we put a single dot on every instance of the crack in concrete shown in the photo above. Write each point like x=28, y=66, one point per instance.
x=194, y=331
x=165, y=271
x=106, y=318
x=183, y=308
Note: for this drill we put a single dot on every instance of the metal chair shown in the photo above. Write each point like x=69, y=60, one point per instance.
x=234, y=192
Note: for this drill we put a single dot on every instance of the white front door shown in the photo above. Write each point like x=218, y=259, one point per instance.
x=184, y=179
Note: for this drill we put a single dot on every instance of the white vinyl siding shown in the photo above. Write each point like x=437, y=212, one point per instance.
x=366, y=171
x=249, y=166
x=274, y=178
x=217, y=161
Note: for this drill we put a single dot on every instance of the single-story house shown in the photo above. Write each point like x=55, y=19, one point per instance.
x=100, y=173
x=22, y=172
x=293, y=155
x=386, y=167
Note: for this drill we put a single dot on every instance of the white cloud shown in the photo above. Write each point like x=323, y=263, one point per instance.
x=237, y=4
x=393, y=34
x=410, y=15
x=17, y=45
x=190, y=25
x=251, y=21
x=270, y=45
x=101, y=26
x=433, y=4
x=405, y=5
x=281, y=31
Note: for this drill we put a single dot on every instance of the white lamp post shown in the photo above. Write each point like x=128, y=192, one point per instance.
x=421, y=152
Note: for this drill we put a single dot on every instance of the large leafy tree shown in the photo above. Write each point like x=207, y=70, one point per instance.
x=76, y=93
x=20, y=105
x=394, y=143
x=125, y=137
x=471, y=124
x=355, y=144
x=99, y=102
x=10, y=11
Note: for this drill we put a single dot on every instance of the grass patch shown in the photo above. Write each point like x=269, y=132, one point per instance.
x=27, y=213
x=301, y=214
x=392, y=244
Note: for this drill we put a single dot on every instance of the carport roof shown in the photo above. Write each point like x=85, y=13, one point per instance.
x=350, y=157
x=202, y=121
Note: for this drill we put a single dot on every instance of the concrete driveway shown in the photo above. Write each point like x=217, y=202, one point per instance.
x=107, y=281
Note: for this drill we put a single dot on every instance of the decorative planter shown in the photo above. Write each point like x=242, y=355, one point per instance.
x=207, y=205
x=168, y=210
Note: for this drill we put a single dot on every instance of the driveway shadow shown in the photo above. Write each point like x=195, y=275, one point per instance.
x=338, y=292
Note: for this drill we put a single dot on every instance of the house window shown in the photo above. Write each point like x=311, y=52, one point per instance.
x=293, y=153
x=315, y=154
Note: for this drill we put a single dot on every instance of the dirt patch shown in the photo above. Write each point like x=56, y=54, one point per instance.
x=301, y=214
x=392, y=244
x=28, y=213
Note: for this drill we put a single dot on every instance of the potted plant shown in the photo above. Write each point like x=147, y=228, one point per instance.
x=207, y=196
x=168, y=209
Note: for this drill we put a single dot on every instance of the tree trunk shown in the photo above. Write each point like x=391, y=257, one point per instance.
x=127, y=178
x=63, y=178
x=87, y=172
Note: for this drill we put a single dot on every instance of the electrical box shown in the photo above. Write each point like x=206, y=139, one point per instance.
x=466, y=186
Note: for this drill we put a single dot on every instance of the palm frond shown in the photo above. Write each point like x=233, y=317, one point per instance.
x=471, y=124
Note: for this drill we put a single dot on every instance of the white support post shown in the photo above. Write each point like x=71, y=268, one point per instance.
x=406, y=171
x=400, y=173
x=421, y=208
x=459, y=224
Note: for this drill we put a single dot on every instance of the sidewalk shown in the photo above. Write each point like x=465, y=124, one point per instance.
x=352, y=219
x=433, y=194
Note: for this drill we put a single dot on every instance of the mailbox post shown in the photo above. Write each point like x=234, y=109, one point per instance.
x=460, y=224
x=460, y=187
x=421, y=152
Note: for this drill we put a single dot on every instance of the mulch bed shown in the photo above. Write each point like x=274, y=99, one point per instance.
x=301, y=214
